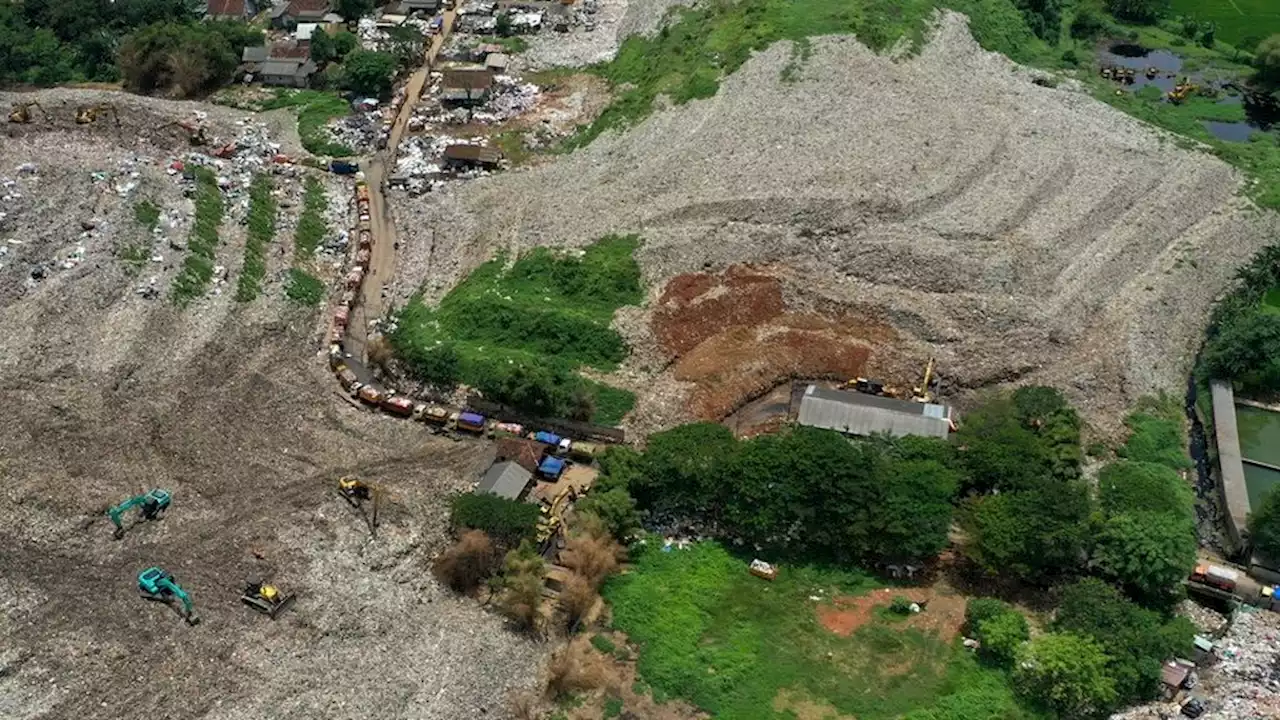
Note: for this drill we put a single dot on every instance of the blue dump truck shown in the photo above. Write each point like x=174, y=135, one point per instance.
x=342, y=167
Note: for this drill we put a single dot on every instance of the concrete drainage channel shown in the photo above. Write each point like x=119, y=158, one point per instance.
x=358, y=382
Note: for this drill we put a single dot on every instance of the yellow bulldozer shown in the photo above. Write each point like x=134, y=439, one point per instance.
x=1180, y=91
x=21, y=112
x=86, y=114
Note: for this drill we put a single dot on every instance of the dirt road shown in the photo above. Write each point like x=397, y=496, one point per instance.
x=383, y=260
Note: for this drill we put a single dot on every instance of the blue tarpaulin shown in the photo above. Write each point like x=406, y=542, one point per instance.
x=471, y=419
x=551, y=467
x=546, y=437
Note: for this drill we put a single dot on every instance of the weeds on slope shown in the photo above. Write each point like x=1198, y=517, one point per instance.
x=687, y=59
x=302, y=287
x=135, y=255
x=262, y=228
x=521, y=333
x=197, y=269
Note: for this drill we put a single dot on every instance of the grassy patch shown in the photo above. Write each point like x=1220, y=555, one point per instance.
x=315, y=108
x=513, y=44
x=303, y=288
x=136, y=254
x=687, y=59
x=311, y=227
x=521, y=332
x=1240, y=22
x=731, y=643
x=262, y=228
x=197, y=268
x=147, y=214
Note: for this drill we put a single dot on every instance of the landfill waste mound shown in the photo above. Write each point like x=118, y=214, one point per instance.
x=1016, y=232
x=111, y=391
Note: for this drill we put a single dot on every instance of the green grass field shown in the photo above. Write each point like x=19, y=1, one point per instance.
x=740, y=647
x=1240, y=22
x=546, y=312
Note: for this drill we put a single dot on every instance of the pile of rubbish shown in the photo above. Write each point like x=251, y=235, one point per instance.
x=359, y=131
x=510, y=98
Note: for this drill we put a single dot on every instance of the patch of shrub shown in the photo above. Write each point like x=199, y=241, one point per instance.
x=197, y=268
x=468, y=562
x=262, y=228
x=508, y=522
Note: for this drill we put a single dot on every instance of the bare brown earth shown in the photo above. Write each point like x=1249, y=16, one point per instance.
x=943, y=614
x=733, y=336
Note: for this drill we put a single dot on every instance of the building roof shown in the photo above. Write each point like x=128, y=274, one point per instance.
x=496, y=61
x=289, y=50
x=527, y=453
x=1174, y=673
x=308, y=7
x=863, y=414
x=468, y=78
x=505, y=479
x=254, y=54
x=287, y=66
x=472, y=153
x=304, y=31
x=225, y=8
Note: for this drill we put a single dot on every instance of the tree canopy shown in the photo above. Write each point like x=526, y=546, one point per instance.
x=1264, y=525
x=183, y=59
x=1142, y=11
x=1037, y=534
x=369, y=73
x=1247, y=349
x=1067, y=673
x=1267, y=60
x=1127, y=486
x=1149, y=552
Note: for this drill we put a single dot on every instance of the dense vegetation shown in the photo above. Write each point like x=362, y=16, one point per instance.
x=197, y=268
x=301, y=286
x=520, y=334
x=1264, y=525
x=262, y=228
x=507, y=521
x=183, y=59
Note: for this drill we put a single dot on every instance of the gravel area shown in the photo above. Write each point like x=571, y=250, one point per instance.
x=1017, y=232
x=110, y=391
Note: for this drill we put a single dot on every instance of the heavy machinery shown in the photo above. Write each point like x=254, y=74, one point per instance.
x=150, y=505
x=357, y=493
x=266, y=599
x=924, y=393
x=86, y=114
x=21, y=112
x=156, y=584
x=1181, y=90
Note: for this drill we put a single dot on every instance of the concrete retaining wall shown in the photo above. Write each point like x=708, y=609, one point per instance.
x=1235, y=494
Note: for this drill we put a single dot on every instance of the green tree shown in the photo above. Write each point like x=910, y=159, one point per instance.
x=998, y=451
x=1267, y=60
x=1137, y=640
x=508, y=522
x=1247, y=350
x=1264, y=525
x=911, y=520
x=681, y=467
x=1089, y=22
x=1044, y=17
x=1128, y=486
x=615, y=508
x=352, y=10
x=1066, y=673
x=369, y=73
x=1035, y=534
x=1150, y=552
x=440, y=366
x=1002, y=636
x=322, y=47
x=343, y=43
x=1141, y=11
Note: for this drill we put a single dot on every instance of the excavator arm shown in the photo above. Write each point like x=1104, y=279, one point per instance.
x=117, y=512
x=172, y=588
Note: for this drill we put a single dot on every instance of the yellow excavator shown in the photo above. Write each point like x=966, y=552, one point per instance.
x=86, y=114
x=1181, y=90
x=21, y=112
x=357, y=493
x=924, y=393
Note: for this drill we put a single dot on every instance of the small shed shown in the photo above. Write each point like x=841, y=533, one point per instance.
x=526, y=453
x=551, y=467
x=466, y=85
x=304, y=31
x=254, y=55
x=463, y=156
x=861, y=414
x=496, y=62
x=291, y=72
x=505, y=479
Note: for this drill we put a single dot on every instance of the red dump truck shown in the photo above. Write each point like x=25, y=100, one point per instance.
x=1216, y=576
x=398, y=405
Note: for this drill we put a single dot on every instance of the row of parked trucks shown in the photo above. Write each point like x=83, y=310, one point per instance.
x=439, y=418
x=1228, y=580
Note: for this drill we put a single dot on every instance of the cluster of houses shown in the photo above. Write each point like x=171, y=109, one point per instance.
x=544, y=469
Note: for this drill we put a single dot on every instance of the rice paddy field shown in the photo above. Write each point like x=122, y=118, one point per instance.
x=1240, y=22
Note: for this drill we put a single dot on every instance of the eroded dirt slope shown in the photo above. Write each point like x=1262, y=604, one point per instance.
x=1017, y=232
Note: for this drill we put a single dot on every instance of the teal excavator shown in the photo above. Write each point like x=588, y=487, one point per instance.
x=149, y=505
x=156, y=584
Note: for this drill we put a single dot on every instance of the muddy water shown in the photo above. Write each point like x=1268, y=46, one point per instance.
x=1231, y=131
x=1126, y=55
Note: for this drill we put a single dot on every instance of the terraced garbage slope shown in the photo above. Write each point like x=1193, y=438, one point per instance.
x=1015, y=231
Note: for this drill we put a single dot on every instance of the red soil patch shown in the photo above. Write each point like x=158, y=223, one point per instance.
x=732, y=336
x=944, y=613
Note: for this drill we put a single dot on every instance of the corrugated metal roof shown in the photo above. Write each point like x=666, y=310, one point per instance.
x=505, y=479
x=254, y=54
x=862, y=414
x=280, y=67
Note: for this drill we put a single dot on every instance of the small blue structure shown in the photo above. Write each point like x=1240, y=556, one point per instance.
x=546, y=437
x=551, y=467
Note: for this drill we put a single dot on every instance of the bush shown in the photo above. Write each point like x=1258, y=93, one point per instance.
x=183, y=59
x=1267, y=60
x=576, y=599
x=594, y=558
x=262, y=228
x=197, y=268
x=468, y=562
x=1139, y=11
x=573, y=669
x=1089, y=22
x=1002, y=637
x=900, y=605
x=303, y=288
x=1247, y=350
x=509, y=522
x=521, y=585
x=1129, y=486
x=1067, y=674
